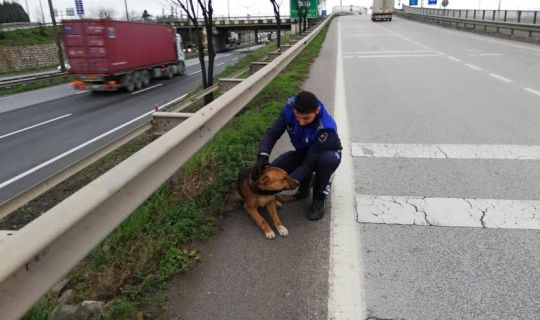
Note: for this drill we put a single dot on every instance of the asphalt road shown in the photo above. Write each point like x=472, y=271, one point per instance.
x=414, y=85
x=45, y=130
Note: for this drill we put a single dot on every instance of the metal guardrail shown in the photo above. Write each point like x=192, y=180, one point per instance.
x=526, y=21
x=12, y=81
x=40, y=254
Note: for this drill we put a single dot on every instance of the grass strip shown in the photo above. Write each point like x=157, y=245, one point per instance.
x=156, y=241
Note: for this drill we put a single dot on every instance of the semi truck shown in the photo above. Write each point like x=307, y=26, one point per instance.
x=382, y=10
x=107, y=55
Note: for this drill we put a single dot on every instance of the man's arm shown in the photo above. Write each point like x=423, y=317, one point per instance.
x=327, y=140
x=273, y=133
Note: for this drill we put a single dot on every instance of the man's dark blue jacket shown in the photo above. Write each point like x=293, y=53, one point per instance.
x=319, y=136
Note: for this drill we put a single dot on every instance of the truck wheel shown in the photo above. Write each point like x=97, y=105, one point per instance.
x=127, y=82
x=169, y=73
x=145, y=78
x=181, y=67
x=137, y=80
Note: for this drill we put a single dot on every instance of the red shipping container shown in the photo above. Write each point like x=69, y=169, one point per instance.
x=103, y=47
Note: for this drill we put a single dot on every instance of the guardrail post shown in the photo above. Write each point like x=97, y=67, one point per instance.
x=227, y=84
x=474, y=14
x=519, y=16
x=534, y=18
x=273, y=55
x=256, y=66
x=505, y=13
x=166, y=121
x=493, y=19
x=483, y=14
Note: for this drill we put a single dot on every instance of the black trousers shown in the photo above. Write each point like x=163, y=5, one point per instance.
x=301, y=167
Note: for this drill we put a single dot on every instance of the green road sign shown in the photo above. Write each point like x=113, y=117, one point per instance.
x=313, y=12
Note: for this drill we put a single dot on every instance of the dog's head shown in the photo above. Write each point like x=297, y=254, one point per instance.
x=275, y=179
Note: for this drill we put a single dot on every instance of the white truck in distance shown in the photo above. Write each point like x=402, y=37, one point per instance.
x=382, y=10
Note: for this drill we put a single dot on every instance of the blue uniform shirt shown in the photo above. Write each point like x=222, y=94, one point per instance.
x=320, y=135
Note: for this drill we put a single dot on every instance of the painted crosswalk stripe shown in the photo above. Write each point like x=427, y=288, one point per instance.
x=455, y=212
x=446, y=151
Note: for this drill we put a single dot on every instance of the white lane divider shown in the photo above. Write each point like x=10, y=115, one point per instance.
x=532, y=91
x=48, y=162
x=34, y=126
x=451, y=212
x=454, y=59
x=496, y=76
x=84, y=91
x=397, y=56
x=446, y=151
x=220, y=64
x=145, y=89
x=345, y=277
x=472, y=66
x=190, y=74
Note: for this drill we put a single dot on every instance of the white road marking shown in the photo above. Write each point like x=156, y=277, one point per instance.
x=490, y=54
x=454, y=59
x=496, y=76
x=143, y=90
x=398, y=56
x=454, y=212
x=387, y=51
x=405, y=38
x=234, y=59
x=472, y=66
x=35, y=125
x=84, y=91
x=348, y=57
x=190, y=74
x=46, y=163
x=220, y=64
x=532, y=91
x=345, y=277
x=446, y=151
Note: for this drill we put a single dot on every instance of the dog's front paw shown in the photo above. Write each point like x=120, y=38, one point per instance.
x=270, y=235
x=282, y=231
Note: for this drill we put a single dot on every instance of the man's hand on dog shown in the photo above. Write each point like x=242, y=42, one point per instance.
x=262, y=162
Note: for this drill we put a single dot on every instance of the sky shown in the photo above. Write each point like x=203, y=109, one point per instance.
x=243, y=7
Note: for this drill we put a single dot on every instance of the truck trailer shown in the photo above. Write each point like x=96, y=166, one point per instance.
x=382, y=10
x=107, y=55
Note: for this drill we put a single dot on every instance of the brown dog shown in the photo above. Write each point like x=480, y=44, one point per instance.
x=262, y=192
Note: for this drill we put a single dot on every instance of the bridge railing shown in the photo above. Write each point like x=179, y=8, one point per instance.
x=513, y=20
x=511, y=16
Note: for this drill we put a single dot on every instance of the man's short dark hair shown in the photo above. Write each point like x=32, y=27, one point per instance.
x=306, y=102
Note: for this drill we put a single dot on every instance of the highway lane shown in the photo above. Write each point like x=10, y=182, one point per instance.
x=412, y=86
x=46, y=130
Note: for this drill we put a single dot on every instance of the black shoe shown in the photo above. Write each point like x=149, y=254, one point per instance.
x=316, y=211
x=304, y=188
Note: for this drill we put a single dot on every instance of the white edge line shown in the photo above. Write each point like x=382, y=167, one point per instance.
x=143, y=90
x=532, y=91
x=190, y=74
x=345, y=295
x=454, y=59
x=399, y=56
x=46, y=163
x=34, y=126
x=496, y=76
x=472, y=66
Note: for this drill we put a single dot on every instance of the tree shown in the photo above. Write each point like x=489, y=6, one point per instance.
x=104, y=13
x=12, y=12
x=146, y=15
x=206, y=9
x=57, y=36
x=275, y=5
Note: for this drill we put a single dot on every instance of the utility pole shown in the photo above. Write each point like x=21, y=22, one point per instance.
x=57, y=35
x=127, y=13
x=499, y=6
x=42, y=14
